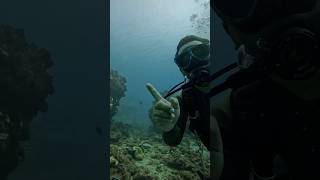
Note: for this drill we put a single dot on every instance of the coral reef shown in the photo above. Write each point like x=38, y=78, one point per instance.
x=139, y=154
x=25, y=85
x=117, y=91
x=201, y=20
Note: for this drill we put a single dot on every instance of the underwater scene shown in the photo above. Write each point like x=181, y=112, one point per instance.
x=144, y=35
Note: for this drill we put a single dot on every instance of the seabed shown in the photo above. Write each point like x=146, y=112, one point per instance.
x=140, y=154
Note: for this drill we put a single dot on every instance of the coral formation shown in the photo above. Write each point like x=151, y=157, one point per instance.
x=140, y=154
x=25, y=85
x=117, y=91
x=201, y=20
x=137, y=153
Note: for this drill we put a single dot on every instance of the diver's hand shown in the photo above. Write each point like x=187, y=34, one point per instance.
x=164, y=114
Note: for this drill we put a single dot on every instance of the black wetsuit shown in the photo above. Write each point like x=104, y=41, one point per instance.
x=195, y=106
x=269, y=121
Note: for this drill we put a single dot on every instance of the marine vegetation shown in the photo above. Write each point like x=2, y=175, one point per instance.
x=25, y=84
x=117, y=91
x=141, y=154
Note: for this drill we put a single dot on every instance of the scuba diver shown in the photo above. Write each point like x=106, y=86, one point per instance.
x=190, y=102
x=167, y=115
x=270, y=129
x=266, y=125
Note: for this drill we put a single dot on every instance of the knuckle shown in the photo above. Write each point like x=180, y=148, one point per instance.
x=153, y=119
x=156, y=104
x=159, y=104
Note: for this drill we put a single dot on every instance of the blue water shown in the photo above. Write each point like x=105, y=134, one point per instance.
x=144, y=36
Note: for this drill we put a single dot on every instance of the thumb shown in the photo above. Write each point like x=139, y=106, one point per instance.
x=174, y=102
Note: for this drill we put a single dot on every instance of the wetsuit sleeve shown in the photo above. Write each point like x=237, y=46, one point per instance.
x=174, y=136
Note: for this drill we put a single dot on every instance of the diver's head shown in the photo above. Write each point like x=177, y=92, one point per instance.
x=244, y=20
x=269, y=28
x=252, y=15
x=193, y=54
x=283, y=36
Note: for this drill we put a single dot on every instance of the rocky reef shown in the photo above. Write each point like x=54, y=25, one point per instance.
x=25, y=85
x=117, y=91
x=139, y=154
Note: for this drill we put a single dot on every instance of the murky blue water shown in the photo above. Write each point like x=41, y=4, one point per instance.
x=144, y=36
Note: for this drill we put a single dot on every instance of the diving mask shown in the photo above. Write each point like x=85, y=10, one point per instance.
x=193, y=57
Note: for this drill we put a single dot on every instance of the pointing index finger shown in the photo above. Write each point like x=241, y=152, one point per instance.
x=153, y=91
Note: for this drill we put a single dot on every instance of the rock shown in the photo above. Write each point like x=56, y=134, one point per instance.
x=138, y=153
x=113, y=161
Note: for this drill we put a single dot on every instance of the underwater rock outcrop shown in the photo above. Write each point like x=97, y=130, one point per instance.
x=139, y=154
x=117, y=91
x=25, y=84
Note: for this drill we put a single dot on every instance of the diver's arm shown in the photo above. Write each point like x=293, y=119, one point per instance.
x=174, y=136
x=220, y=114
